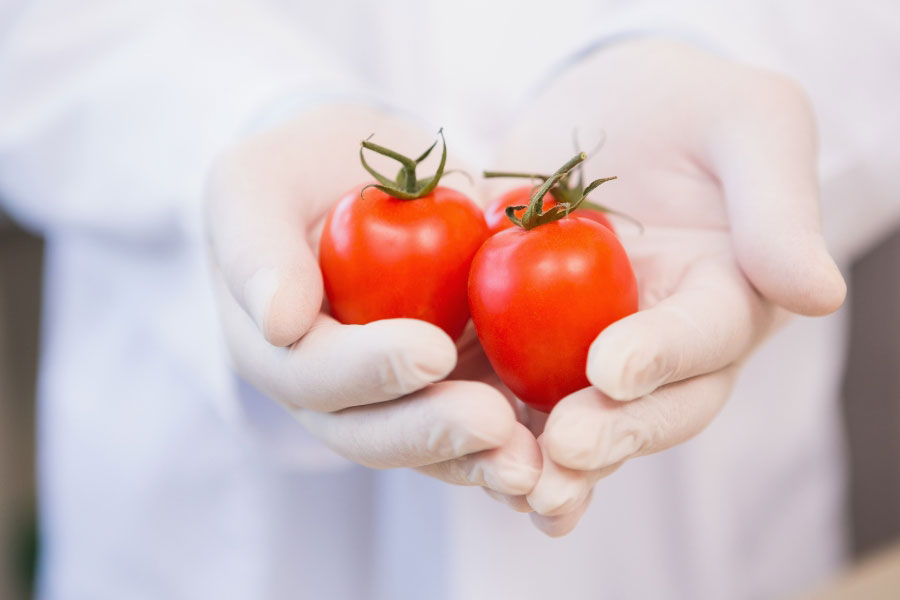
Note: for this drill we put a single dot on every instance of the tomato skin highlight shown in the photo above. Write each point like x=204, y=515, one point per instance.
x=497, y=221
x=539, y=298
x=383, y=257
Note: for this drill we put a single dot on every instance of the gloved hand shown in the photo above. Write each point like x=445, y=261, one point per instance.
x=373, y=393
x=718, y=160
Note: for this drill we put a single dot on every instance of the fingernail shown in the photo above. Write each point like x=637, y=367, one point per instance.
x=560, y=498
x=562, y=524
x=634, y=369
x=573, y=440
x=553, y=527
x=834, y=291
x=517, y=503
x=513, y=479
x=258, y=294
x=436, y=360
x=587, y=444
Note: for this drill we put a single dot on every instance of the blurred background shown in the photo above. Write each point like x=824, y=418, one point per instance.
x=20, y=294
x=871, y=399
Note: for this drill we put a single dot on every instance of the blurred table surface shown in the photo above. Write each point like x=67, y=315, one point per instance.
x=876, y=577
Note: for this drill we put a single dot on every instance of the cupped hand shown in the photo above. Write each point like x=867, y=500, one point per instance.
x=718, y=160
x=373, y=393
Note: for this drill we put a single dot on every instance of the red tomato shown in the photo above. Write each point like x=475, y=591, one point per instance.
x=540, y=297
x=383, y=257
x=495, y=213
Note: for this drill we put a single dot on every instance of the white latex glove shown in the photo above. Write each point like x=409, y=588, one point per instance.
x=369, y=392
x=718, y=160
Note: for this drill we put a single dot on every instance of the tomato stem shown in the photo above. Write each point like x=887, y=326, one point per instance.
x=405, y=186
x=559, y=185
x=536, y=207
x=492, y=174
x=534, y=214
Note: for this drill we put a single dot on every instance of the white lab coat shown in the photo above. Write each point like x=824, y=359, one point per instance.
x=162, y=476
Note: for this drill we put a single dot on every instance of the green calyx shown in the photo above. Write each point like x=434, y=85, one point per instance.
x=569, y=196
x=405, y=186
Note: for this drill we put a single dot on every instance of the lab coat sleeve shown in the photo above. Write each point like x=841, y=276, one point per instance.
x=846, y=58
x=110, y=112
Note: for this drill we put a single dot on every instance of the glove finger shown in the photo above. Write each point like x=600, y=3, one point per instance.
x=713, y=318
x=444, y=421
x=764, y=152
x=258, y=241
x=561, y=525
x=511, y=469
x=517, y=503
x=561, y=490
x=588, y=431
x=267, y=197
x=336, y=366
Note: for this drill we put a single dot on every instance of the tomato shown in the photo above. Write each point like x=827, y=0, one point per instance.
x=539, y=298
x=385, y=257
x=541, y=292
x=495, y=215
